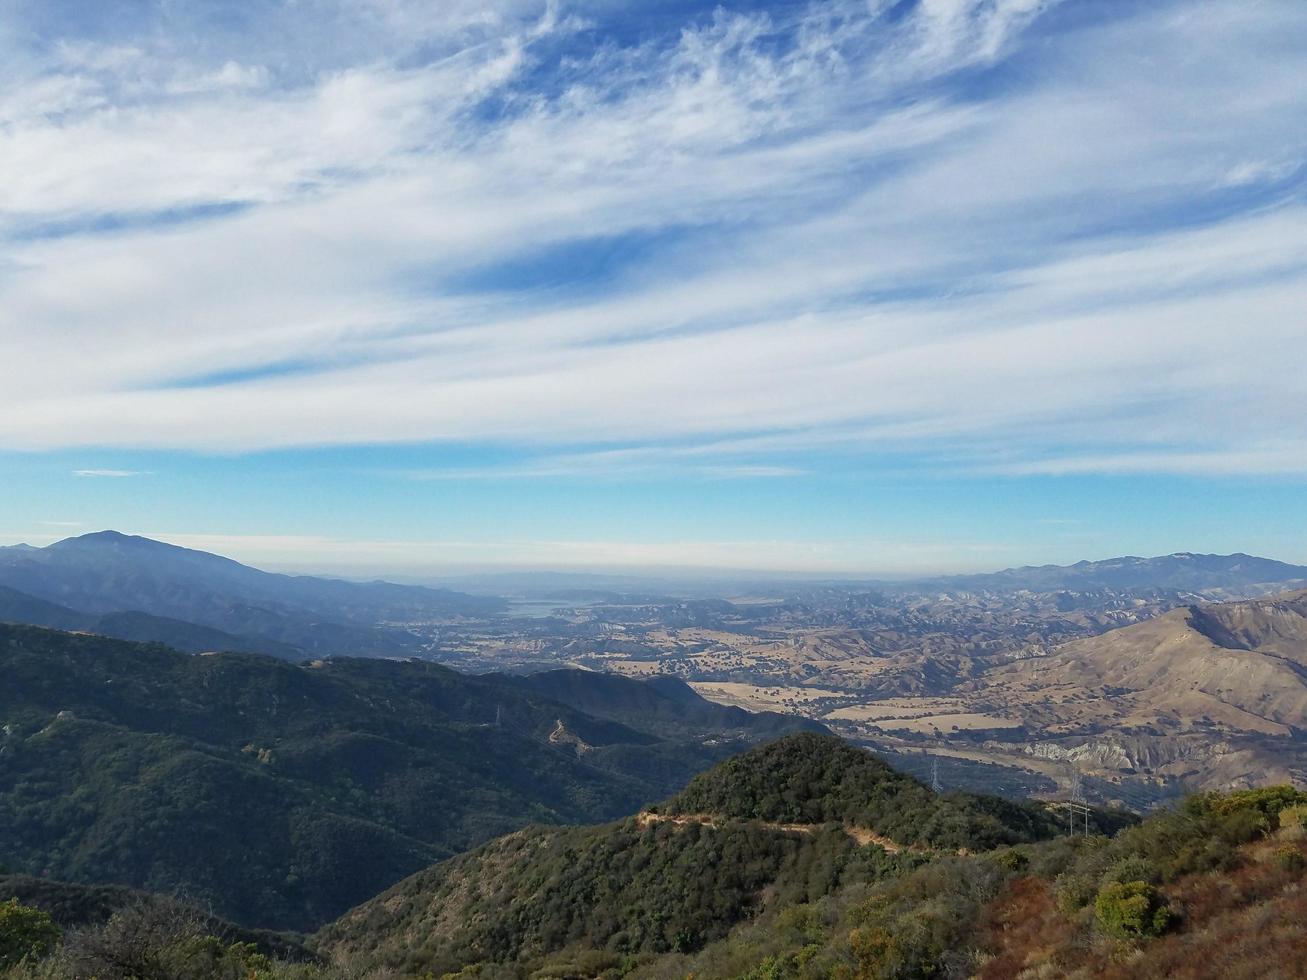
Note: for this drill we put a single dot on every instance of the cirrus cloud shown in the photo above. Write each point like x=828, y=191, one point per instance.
x=757, y=236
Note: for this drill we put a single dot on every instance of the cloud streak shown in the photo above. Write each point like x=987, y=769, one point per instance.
x=731, y=247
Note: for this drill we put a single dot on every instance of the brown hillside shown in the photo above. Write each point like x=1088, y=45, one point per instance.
x=1240, y=667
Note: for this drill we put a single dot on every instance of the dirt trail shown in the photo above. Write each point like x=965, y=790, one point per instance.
x=859, y=834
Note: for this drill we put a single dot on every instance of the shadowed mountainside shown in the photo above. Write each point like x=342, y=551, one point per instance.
x=283, y=794
x=16, y=607
x=108, y=572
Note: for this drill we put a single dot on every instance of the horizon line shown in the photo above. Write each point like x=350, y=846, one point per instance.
x=414, y=568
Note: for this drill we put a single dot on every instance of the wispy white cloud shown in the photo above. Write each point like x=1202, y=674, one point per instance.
x=855, y=242
x=109, y=474
x=691, y=462
x=1260, y=460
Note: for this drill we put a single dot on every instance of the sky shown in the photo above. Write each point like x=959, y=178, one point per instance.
x=857, y=287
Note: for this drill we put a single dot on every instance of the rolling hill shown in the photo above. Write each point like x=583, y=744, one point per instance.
x=1215, y=694
x=1213, y=887
x=16, y=607
x=649, y=886
x=818, y=779
x=1239, y=666
x=282, y=794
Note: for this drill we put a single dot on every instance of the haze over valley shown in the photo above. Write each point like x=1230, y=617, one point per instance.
x=1138, y=679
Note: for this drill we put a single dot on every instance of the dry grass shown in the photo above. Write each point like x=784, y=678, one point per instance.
x=1248, y=924
x=754, y=697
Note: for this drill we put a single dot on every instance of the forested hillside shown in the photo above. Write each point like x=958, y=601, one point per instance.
x=816, y=779
x=754, y=900
x=283, y=794
x=771, y=825
x=1214, y=888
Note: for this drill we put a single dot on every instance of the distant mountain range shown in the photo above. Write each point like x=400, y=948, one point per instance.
x=281, y=795
x=1229, y=575
x=1213, y=576
x=198, y=601
x=136, y=588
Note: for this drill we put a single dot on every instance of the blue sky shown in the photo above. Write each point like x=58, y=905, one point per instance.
x=844, y=287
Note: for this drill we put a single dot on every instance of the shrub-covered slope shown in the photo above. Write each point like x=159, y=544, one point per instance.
x=283, y=794
x=653, y=884
x=1213, y=889
x=84, y=907
x=626, y=888
x=815, y=778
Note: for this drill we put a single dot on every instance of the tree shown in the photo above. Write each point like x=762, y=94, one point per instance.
x=1132, y=909
x=25, y=933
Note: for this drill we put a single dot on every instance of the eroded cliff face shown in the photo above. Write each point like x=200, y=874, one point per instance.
x=1144, y=753
x=1194, y=762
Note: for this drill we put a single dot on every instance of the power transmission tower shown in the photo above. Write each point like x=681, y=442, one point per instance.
x=1076, y=806
x=935, y=784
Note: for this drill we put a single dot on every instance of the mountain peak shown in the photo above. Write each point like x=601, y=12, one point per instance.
x=111, y=538
x=110, y=542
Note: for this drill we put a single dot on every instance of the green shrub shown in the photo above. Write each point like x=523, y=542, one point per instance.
x=1242, y=826
x=1133, y=867
x=1132, y=909
x=1270, y=801
x=1293, y=822
x=1289, y=858
x=1012, y=860
x=25, y=933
